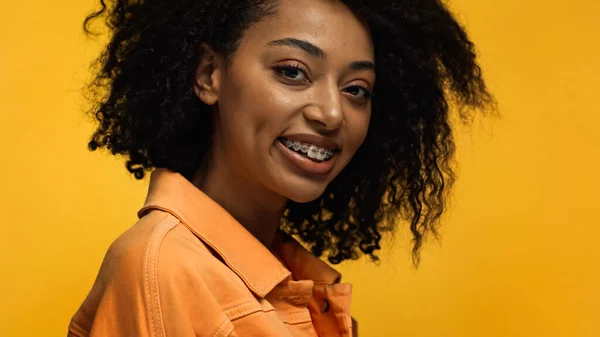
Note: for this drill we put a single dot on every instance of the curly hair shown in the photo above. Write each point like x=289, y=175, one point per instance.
x=143, y=101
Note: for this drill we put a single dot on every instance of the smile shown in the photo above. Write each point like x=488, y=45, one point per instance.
x=310, y=151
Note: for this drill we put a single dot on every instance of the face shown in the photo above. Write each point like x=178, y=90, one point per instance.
x=293, y=106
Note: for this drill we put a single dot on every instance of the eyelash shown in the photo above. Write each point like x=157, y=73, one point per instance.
x=287, y=67
x=281, y=69
x=368, y=93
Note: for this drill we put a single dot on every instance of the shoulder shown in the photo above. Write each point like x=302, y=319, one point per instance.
x=171, y=262
x=130, y=254
x=161, y=266
x=160, y=247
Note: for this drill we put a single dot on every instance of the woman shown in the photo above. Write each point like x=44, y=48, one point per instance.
x=263, y=122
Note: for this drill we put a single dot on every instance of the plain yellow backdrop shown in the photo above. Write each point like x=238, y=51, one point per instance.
x=520, y=252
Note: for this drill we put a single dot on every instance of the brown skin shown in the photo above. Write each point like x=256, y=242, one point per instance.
x=255, y=102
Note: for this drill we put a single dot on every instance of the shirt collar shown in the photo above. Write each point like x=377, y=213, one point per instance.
x=256, y=265
x=302, y=263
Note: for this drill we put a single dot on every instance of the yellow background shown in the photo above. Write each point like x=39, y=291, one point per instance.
x=520, y=253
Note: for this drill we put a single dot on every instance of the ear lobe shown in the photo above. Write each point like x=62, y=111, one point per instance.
x=206, y=85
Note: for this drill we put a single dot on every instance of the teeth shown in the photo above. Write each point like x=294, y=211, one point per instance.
x=311, y=151
x=321, y=154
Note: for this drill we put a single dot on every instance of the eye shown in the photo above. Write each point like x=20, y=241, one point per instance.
x=359, y=91
x=291, y=72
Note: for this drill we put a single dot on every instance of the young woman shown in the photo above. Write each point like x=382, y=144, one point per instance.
x=267, y=122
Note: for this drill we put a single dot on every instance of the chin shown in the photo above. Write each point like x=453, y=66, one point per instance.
x=303, y=193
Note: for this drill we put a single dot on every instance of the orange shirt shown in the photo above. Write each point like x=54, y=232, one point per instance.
x=188, y=268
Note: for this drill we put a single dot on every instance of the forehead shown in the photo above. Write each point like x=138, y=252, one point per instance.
x=329, y=24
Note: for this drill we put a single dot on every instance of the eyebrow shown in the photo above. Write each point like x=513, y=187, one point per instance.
x=302, y=44
x=362, y=65
x=318, y=52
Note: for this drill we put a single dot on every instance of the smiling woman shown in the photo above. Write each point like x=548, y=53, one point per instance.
x=264, y=125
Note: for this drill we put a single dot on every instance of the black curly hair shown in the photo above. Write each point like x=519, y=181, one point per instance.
x=147, y=111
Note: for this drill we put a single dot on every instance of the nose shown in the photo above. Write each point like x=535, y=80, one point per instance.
x=327, y=110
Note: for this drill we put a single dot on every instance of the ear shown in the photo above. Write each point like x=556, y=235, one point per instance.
x=208, y=75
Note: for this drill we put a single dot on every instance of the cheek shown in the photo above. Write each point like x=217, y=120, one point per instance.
x=357, y=126
x=256, y=112
x=240, y=107
x=270, y=111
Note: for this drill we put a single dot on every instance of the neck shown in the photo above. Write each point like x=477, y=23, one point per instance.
x=259, y=210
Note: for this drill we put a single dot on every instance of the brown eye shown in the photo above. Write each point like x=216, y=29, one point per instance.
x=291, y=72
x=359, y=91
